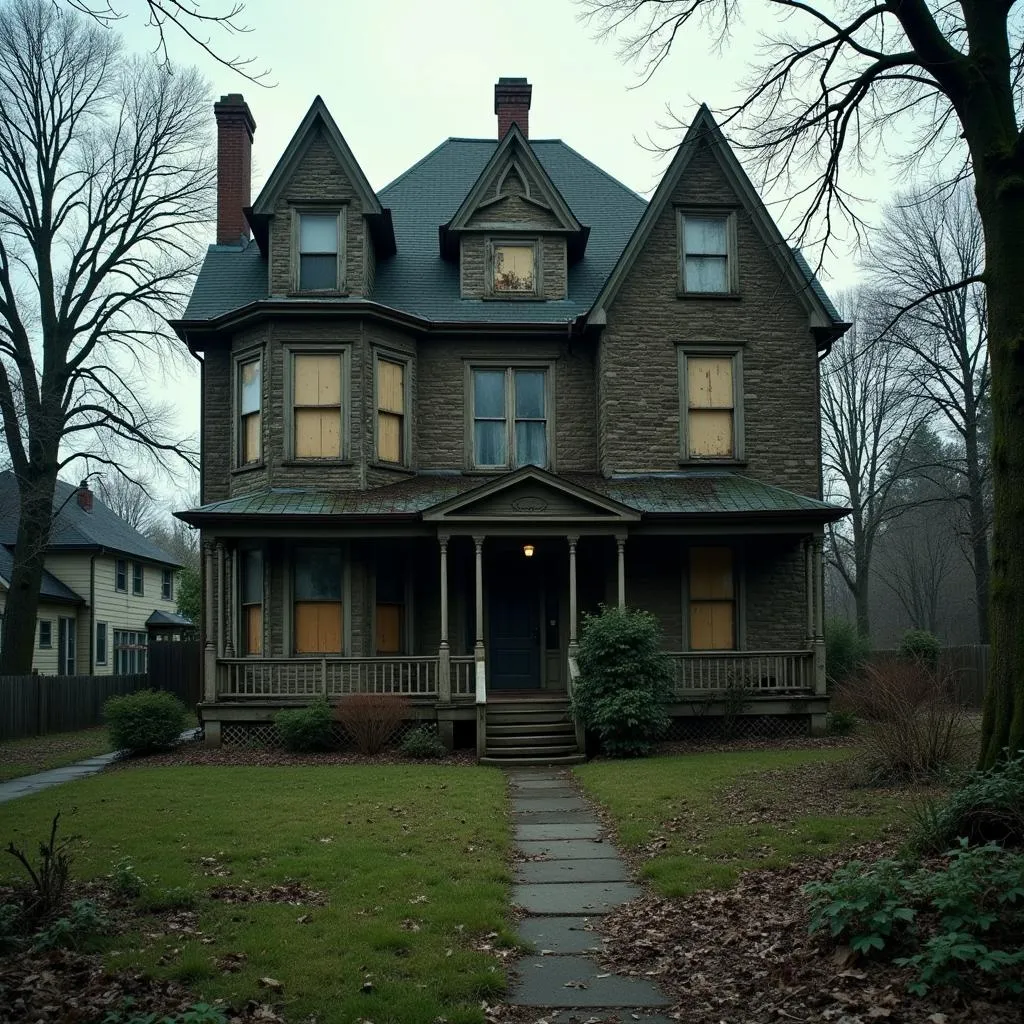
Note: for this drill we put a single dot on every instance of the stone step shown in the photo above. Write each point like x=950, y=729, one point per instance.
x=504, y=761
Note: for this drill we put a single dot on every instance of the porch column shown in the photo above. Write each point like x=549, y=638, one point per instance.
x=210, y=652
x=810, y=588
x=229, y=602
x=444, y=664
x=819, y=617
x=573, y=645
x=221, y=596
x=620, y=543
x=478, y=649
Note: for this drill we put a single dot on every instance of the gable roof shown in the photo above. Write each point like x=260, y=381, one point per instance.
x=50, y=589
x=704, y=131
x=76, y=529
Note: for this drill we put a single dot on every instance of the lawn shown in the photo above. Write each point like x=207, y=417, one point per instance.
x=39, y=753
x=413, y=861
x=697, y=821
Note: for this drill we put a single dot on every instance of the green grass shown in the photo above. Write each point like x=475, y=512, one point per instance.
x=376, y=839
x=40, y=753
x=721, y=814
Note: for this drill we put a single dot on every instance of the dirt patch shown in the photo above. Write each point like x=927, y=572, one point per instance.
x=293, y=893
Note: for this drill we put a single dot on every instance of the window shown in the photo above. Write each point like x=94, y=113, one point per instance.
x=707, y=239
x=45, y=635
x=316, y=401
x=121, y=575
x=390, y=626
x=167, y=585
x=319, y=246
x=390, y=411
x=710, y=429
x=318, y=621
x=67, y=646
x=130, y=650
x=250, y=398
x=513, y=268
x=510, y=423
x=712, y=600
x=252, y=601
x=138, y=579
x=101, y=643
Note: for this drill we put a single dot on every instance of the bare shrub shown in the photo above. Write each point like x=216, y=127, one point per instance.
x=914, y=728
x=371, y=719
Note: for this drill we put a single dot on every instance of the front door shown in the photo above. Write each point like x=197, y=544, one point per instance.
x=513, y=654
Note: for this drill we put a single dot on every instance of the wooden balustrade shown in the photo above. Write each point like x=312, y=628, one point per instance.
x=463, y=677
x=768, y=672
x=331, y=677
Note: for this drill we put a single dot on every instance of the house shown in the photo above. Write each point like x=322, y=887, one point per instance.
x=102, y=581
x=442, y=420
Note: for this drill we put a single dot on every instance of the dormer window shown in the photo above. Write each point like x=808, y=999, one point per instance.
x=513, y=268
x=321, y=245
x=707, y=252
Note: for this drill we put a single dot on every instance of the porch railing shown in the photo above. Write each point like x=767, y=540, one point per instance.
x=330, y=677
x=767, y=672
x=463, y=675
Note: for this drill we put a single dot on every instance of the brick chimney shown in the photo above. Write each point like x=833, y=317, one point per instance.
x=235, y=128
x=512, y=104
x=84, y=496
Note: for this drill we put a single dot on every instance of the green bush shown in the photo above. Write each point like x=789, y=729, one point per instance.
x=921, y=646
x=840, y=723
x=845, y=650
x=423, y=744
x=625, y=681
x=145, y=721
x=306, y=729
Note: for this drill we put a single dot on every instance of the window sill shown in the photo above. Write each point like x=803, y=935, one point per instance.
x=511, y=298
x=393, y=467
x=249, y=467
x=316, y=463
x=713, y=296
x=713, y=463
x=317, y=293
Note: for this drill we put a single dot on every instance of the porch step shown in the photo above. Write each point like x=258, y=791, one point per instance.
x=534, y=750
x=532, y=762
x=563, y=727
x=511, y=718
x=534, y=739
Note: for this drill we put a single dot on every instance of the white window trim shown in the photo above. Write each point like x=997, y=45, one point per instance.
x=290, y=352
x=341, y=212
x=406, y=362
x=124, y=589
x=536, y=243
x=42, y=646
x=170, y=596
x=735, y=352
x=142, y=575
x=238, y=361
x=732, y=248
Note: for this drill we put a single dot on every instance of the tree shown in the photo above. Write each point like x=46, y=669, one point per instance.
x=928, y=243
x=190, y=599
x=923, y=82
x=868, y=419
x=128, y=499
x=106, y=180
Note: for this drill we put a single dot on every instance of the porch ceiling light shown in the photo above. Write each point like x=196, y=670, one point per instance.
x=528, y=550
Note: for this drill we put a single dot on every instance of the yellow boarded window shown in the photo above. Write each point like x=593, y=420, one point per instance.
x=252, y=601
x=316, y=386
x=514, y=268
x=249, y=404
x=712, y=599
x=389, y=628
x=390, y=411
x=710, y=393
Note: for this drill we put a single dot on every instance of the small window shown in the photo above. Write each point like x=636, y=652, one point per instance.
x=45, y=634
x=513, y=268
x=121, y=575
x=101, y=643
x=709, y=423
x=318, y=611
x=138, y=579
x=252, y=601
x=712, y=600
x=510, y=421
x=130, y=652
x=318, y=252
x=390, y=411
x=707, y=267
x=316, y=400
x=250, y=400
x=167, y=585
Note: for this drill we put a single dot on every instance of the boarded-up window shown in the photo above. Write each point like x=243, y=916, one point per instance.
x=390, y=587
x=318, y=252
x=513, y=269
x=249, y=404
x=252, y=601
x=390, y=411
x=712, y=600
x=317, y=601
x=705, y=253
x=316, y=392
x=711, y=419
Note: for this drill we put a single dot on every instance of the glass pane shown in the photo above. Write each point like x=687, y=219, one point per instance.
x=488, y=392
x=318, y=272
x=531, y=443
x=317, y=574
x=318, y=232
x=530, y=394
x=252, y=577
x=489, y=443
x=707, y=274
x=705, y=236
x=513, y=268
x=251, y=387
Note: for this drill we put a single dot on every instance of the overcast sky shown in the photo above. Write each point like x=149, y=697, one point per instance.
x=400, y=76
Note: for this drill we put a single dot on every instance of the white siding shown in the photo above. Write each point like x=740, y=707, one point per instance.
x=44, y=660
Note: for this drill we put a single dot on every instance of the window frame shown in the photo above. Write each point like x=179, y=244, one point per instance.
x=739, y=600
x=106, y=643
x=340, y=212
x=406, y=620
x=547, y=367
x=726, y=213
x=135, y=651
x=344, y=352
x=346, y=599
x=241, y=645
x=240, y=359
x=48, y=646
x=167, y=585
x=121, y=570
x=139, y=576
x=387, y=356
x=535, y=242
x=711, y=351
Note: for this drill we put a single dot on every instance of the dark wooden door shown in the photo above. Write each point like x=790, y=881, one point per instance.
x=513, y=655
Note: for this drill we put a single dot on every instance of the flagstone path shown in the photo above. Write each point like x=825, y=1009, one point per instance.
x=568, y=876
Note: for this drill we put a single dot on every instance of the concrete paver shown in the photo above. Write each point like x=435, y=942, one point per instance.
x=602, y=869
x=559, y=934
x=554, y=818
x=567, y=849
x=544, y=801
x=580, y=981
x=555, y=831
x=573, y=897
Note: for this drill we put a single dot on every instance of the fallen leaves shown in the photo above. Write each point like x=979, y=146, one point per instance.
x=294, y=893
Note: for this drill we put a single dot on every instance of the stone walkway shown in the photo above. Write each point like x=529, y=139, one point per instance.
x=578, y=878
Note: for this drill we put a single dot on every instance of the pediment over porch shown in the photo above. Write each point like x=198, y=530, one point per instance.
x=531, y=495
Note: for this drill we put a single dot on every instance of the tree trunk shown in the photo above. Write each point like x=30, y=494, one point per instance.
x=979, y=533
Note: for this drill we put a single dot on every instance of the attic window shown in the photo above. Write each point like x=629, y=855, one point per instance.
x=513, y=268
x=319, y=267
x=708, y=252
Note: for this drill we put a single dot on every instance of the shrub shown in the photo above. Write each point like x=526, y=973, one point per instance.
x=125, y=881
x=921, y=646
x=371, y=719
x=49, y=876
x=423, y=744
x=846, y=651
x=625, y=681
x=83, y=923
x=840, y=723
x=306, y=729
x=145, y=721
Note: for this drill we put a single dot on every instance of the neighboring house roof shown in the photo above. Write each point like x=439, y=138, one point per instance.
x=168, y=619
x=51, y=589
x=699, y=493
x=76, y=529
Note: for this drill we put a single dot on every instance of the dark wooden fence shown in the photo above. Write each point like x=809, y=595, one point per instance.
x=965, y=667
x=174, y=666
